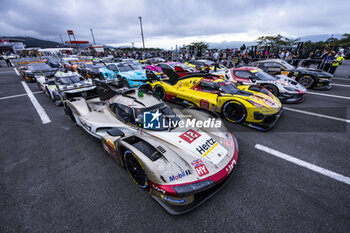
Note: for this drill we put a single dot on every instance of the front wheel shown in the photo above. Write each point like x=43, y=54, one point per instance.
x=234, y=111
x=125, y=82
x=307, y=81
x=273, y=89
x=101, y=77
x=159, y=91
x=135, y=169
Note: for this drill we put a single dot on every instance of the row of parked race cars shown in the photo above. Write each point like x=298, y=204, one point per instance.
x=180, y=163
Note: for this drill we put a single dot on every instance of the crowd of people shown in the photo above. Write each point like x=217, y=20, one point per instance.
x=324, y=59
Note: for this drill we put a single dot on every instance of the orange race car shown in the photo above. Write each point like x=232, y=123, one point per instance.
x=29, y=70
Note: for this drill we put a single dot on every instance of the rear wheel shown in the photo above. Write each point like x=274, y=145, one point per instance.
x=272, y=88
x=135, y=169
x=234, y=111
x=307, y=81
x=159, y=91
x=125, y=82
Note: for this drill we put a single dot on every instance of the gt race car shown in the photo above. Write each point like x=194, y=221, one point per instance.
x=180, y=68
x=205, y=65
x=70, y=82
x=180, y=167
x=31, y=70
x=286, y=89
x=90, y=69
x=252, y=105
x=124, y=72
x=308, y=77
x=153, y=60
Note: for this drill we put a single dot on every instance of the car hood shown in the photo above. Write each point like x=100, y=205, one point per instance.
x=289, y=82
x=180, y=155
x=183, y=147
x=134, y=74
x=270, y=102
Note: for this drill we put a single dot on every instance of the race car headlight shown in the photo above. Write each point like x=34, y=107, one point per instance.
x=189, y=189
x=256, y=104
x=289, y=88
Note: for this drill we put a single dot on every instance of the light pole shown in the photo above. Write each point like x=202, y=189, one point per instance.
x=143, y=41
x=92, y=34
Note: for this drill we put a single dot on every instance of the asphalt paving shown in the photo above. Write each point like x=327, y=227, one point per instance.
x=56, y=178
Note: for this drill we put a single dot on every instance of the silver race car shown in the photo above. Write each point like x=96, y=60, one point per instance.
x=283, y=87
x=170, y=153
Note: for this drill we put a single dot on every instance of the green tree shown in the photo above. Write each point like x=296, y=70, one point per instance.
x=198, y=46
x=276, y=41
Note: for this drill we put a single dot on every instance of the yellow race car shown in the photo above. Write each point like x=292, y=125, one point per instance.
x=252, y=105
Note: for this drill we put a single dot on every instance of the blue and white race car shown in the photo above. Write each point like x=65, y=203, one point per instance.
x=131, y=76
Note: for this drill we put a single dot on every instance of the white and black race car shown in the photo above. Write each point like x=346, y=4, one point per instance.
x=286, y=89
x=63, y=81
x=180, y=165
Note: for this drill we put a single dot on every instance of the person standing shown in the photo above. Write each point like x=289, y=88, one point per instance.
x=7, y=60
x=338, y=60
x=328, y=61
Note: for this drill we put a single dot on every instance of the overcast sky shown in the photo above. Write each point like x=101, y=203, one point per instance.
x=170, y=22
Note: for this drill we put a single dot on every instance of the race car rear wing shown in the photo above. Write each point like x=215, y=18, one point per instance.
x=28, y=62
x=87, y=92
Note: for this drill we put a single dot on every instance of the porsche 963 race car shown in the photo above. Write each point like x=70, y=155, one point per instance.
x=286, y=89
x=180, y=167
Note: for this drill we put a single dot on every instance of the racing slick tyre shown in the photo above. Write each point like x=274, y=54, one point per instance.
x=69, y=112
x=272, y=88
x=57, y=100
x=39, y=86
x=159, y=91
x=101, y=77
x=306, y=81
x=234, y=111
x=135, y=169
x=47, y=93
x=125, y=82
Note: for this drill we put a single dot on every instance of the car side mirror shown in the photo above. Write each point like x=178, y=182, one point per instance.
x=252, y=78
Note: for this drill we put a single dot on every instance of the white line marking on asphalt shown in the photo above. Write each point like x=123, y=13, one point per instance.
x=341, y=85
x=335, y=96
x=16, y=71
x=14, y=96
x=44, y=117
x=11, y=63
x=320, y=170
x=342, y=78
x=317, y=114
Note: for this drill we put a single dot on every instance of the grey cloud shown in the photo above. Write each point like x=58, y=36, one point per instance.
x=116, y=21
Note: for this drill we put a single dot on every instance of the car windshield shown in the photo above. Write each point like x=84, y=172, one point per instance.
x=94, y=65
x=144, y=117
x=261, y=75
x=289, y=66
x=135, y=66
x=228, y=88
x=209, y=63
x=38, y=67
x=69, y=79
x=124, y=67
